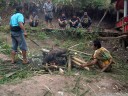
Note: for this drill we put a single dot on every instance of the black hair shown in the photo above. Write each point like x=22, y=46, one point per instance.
x=19, y=8
x=63, y=13
x=74, y=14
x=97, y=43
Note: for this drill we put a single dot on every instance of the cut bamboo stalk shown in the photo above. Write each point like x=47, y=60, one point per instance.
x=79, y=64
x=80, y=52
x=69, y=63
x=75, y=45
x=51, y=29
x=45, y=50
x=78, y=60
x=48, y=69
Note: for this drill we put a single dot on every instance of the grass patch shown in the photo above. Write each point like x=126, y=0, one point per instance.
x=18, y=76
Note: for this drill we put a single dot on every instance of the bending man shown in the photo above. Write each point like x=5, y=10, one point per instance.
x=33, y=20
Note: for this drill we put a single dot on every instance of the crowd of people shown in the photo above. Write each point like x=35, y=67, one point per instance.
x=75, y=22
x=101, y=56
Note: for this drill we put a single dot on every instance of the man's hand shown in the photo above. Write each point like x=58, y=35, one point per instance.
x=23, y=28
x=83, y=65
x=61, y=22
x=25, y=34
x=45, y=13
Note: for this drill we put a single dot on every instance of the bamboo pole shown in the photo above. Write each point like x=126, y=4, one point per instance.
x=48, y=69
x=79, y=64
x=78, y=60
x=69, y=63
x=102, y=18
x=80, y=52
x=75, y=45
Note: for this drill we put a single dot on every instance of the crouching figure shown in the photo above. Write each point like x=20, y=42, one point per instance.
x=101, y=57
x=62, y=21
x=33, y=20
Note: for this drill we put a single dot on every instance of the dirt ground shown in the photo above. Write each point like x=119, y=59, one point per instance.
x=58, y=85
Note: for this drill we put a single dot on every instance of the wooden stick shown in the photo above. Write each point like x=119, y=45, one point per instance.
x=69, y=63
x=92, y=89
x=78, y=60
x=9, y=74
x=48, y=89
x=75, y=45
x=80, y=52
x=118, y=37
x=79, y=64
x=48, y=69
x=34, y=42
x=51, y=29
x=45, y=50
x=102, y=18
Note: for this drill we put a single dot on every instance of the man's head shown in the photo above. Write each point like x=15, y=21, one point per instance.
x=85, y=13
x=19, y=9
x=63, y=14
x=49, y=1
x=74, y=16
x=96, y=44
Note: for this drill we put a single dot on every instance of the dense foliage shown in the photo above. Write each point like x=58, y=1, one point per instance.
x=101, y=4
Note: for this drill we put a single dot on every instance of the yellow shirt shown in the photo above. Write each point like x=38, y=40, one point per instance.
x=103, y=56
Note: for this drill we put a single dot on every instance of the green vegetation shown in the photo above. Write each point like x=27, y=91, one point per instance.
x=100, y=4
x=81, y=4
x=67, y=40
x=5, y=48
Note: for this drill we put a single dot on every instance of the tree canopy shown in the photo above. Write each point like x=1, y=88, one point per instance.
x=100, y=4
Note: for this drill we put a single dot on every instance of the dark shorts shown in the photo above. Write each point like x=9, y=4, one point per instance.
x=49, y=17
x=18, y=40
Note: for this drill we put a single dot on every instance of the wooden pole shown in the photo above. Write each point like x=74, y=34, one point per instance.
x=79, y=64
x=78, y=60
x=80, y=52
x=69, y=63
x=125, y=8
x=75, y=45
x=118, y=15
x=102, y=18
